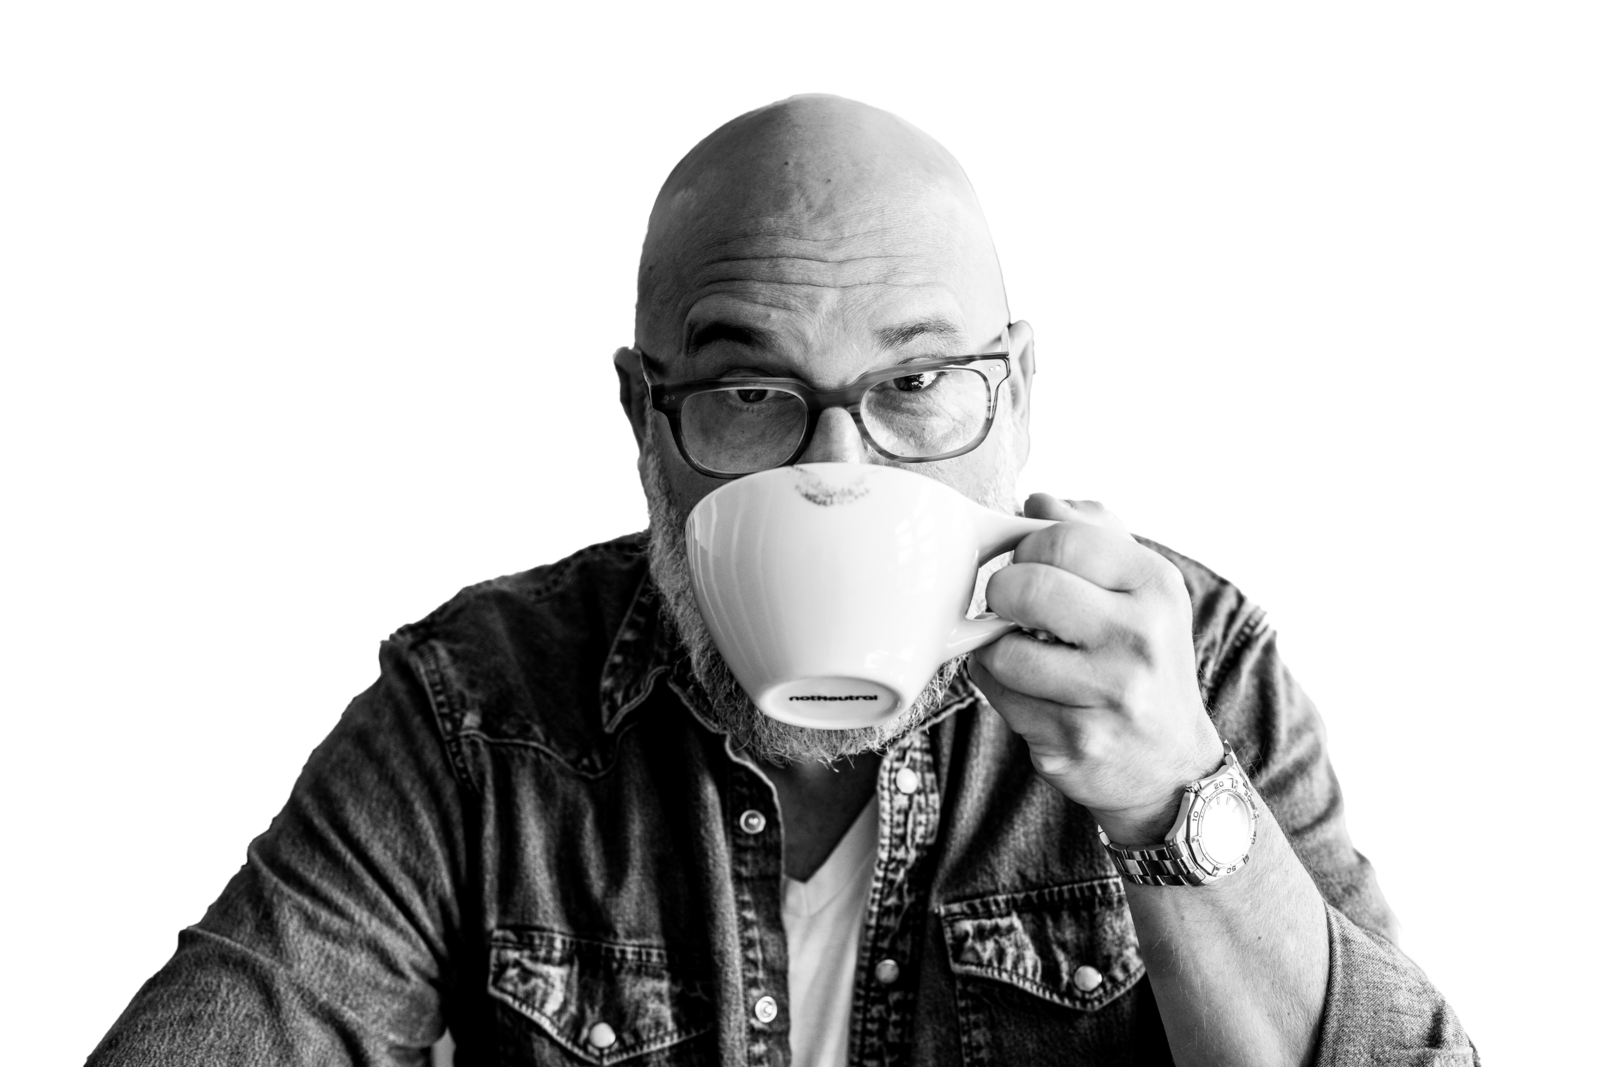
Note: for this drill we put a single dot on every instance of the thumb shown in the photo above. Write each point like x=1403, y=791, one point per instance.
x=1045, y=506
x=1089, y=512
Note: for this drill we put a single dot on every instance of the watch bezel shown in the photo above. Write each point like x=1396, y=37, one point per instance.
x=1197, y=797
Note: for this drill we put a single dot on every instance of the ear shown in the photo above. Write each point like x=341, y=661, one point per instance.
x=633, y=393
x=1019, y=386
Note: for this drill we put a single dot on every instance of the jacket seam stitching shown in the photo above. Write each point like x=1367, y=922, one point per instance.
x=652, y=1041
x=1110, y=886
x=517, y=937
x=440, y=703
x=601, y=771
x=1230, y=655
x=611, y=721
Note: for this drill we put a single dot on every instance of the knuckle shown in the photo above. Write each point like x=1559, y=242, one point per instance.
x=1092, y=746
x=1163, y=576
x=1138, y=644
x=1001, y=592
x=1027, y=600
x=999, y=657
x=1043, y=546
x=1097, y=514
x=1138, y=693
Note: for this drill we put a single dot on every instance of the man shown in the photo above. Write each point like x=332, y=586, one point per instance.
x=557, y=826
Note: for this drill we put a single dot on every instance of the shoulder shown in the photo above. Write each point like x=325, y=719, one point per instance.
x=571, y=594
x=1225, y=620
x=519, y=659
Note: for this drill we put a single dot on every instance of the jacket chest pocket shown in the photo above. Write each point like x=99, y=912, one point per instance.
x=1051, y=975
x=565, y=1000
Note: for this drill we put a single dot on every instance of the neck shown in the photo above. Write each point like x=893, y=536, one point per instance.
x=819, y=802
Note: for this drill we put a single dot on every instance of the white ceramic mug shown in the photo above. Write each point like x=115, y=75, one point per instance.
x=835, y=590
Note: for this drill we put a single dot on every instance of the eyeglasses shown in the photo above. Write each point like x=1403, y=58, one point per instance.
x=915, y=412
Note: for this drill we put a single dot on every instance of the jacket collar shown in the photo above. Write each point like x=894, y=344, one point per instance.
x=641, y=651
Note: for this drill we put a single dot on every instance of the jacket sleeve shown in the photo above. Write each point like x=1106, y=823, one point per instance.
x=330, y=945
x=1380, y=1007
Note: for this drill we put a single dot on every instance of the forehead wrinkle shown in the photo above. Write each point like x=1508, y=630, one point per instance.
x=775, y=308
x=879, y=214
x=796, y=282
x=882, y=223
x=815, y=263
x=815, y=273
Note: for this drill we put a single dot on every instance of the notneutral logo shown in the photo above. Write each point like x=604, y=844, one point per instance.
x=820, y=696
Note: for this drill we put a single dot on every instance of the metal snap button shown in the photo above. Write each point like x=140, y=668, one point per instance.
x=907, y=780
x=766, y=1010
x=601, y=1035
x=1087, y=979
x=752, y=822
x=887, y=972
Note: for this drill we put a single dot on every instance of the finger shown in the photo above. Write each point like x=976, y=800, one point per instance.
x=1044, y=597
x=1106, y=555
x=1016, y=706
x=1045, y=506
x=1035, y=719
x=1048, y=671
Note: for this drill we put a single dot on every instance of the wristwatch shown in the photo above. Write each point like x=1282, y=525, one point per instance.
x=1211, y=838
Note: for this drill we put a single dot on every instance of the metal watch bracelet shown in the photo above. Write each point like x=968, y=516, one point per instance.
x=1184, y=858
x=1157, y=865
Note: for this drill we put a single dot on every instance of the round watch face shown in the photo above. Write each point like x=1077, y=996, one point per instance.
x=1225, y=830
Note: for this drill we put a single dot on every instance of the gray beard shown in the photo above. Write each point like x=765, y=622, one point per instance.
x=729, y=707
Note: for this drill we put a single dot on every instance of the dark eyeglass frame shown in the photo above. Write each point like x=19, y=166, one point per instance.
x=669, y=398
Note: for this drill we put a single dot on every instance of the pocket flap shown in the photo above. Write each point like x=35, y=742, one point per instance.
x=604, y=1002
x=1042, y=940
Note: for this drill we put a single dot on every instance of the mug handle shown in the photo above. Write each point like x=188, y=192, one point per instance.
x=997, y=533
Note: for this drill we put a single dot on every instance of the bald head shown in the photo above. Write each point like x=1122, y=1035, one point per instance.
x=858, y=193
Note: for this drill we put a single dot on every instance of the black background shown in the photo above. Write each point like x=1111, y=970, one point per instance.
x=370, y=325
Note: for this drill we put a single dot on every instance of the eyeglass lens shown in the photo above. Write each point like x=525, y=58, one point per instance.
x=916, y=416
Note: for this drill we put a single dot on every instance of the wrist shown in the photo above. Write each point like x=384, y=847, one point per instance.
x=1149, y=824
x=1141, y=828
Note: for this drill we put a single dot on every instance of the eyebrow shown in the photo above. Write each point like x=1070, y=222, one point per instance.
x=906, y=332
x=710, y=333
x=707, y=334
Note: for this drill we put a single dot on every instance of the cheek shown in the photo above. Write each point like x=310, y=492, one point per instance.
x=989, y=472
x=685, y=486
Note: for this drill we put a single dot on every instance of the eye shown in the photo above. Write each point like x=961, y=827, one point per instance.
x=916, y=383
x=752, y=396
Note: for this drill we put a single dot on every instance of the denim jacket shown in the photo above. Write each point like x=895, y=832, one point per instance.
x=524, y=830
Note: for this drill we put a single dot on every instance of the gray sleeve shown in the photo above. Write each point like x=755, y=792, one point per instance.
x=1380, y=1007
x=331, y=945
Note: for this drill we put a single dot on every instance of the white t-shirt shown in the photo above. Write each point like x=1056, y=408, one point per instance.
x=822, y=918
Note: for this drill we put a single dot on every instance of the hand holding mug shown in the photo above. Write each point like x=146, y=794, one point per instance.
x=1111, y=711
